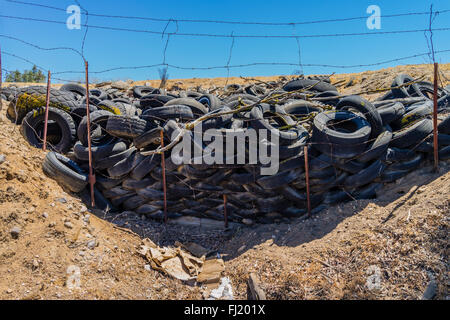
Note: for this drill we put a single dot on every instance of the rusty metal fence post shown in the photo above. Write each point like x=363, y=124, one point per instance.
x=435, y=125
x=1, y=78
x=163, y=165
x=91, y=173
x=305, y=151
x=225, y=213
x=47, y=103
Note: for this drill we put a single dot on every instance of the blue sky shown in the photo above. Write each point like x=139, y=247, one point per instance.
x=106, y=49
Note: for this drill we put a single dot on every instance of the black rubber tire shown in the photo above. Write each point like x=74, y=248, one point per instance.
x=107, y=183
x=340, y=144
x=367, y=109
x=134, y=202
x=34, y=97
x=331, y=96
x=278, y=180
x=419, y=112
x=196, y=107
x=369, y=192
x=112, y=160
x=378, y=148
x=391, y=112
x=126, y=127
x=34, y=122
x=65, y=171
x=255, y=90
x=407, y=165
x=75, y=88
x=444, y=126
x=444, y=153
x=125, y=166
x=396, y=154
x=389, y=176
x=92, y=100
x=366, y=176
x=131, y=184
x=113, y=107
x=153, y=136
x=412, y=135
x=300, y=108
x=336, y=197
x=210, y=101
x=99, y=120
x=403, y=92
x=118, y=192
x=317, y=85
x=145, y=167
x=154, y=101
x=99, y=93
x=150, y=194
x=79, y=113
x=285, y=137
x=168, y=112
x=141, y=91
x=99, y=152
x=242, y=97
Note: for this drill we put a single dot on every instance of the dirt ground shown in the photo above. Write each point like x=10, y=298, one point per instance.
x=395, y=247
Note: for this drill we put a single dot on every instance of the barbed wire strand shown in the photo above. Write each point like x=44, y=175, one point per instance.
x=229, y=58
x=230, y=22
x=331, y=35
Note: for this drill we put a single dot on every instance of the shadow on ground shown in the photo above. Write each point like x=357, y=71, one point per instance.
x=232, y=243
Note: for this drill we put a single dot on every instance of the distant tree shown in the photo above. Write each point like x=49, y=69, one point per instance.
x=33, y=75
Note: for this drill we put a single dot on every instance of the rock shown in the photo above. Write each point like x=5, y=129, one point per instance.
x=68, y=225
x=86, y=218
x=2, y=158
x=122, y=85
x=45, y=215
x=247, y=222
x=147, y=267
x=83, y=209
x=430, y=291
x=35, y=264
x=61, y=200
x=254, y=291
x=91, y=244
x=15, y=232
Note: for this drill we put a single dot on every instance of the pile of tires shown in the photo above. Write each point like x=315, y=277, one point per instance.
x=353, y=146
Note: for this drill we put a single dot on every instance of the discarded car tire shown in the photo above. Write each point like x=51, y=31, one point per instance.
x=65, y=171
x=33, y=129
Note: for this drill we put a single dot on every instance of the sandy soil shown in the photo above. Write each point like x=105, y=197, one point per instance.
x=400, y=239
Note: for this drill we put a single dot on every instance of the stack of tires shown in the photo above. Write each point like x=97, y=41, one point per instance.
x=353, y=146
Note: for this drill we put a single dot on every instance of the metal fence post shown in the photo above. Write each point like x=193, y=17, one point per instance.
x=47, y=103
x=305, y=151
x=163, y=165
x=1, y=78
x=225, y=213
x=435, y=125
x=91, y=173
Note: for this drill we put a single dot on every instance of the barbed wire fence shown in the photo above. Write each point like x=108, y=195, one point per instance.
x=293, y=34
